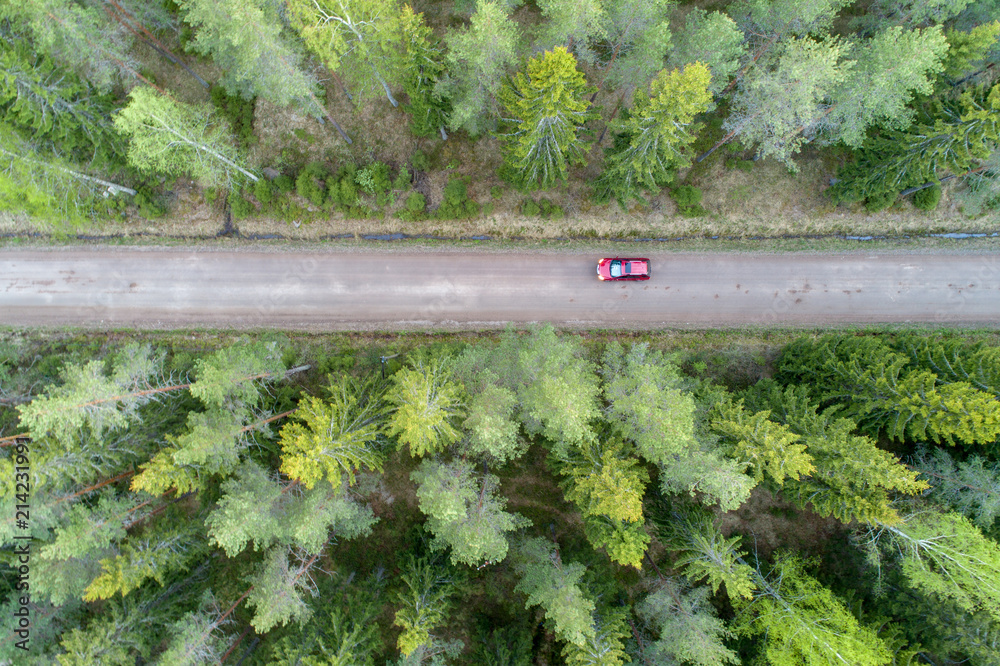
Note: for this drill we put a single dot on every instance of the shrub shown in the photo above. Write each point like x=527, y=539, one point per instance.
x=530, y=208
x=238, y=111
x=342, y=189
x=496, y=191
x=150, y=203
x=927, y=198
x=420, y=161
x=456, y=204
x=264, y=191
x=403, y=179
x=374, y=178
x=239, y=207
x=415, y=203
x=310, y=183
x=284, y=183
x=688, y=200
x=880, y=201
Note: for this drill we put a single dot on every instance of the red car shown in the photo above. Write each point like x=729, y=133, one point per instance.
x=623, y=269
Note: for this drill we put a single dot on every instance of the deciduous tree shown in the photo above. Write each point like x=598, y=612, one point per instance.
x=168, y=137
x=802, y=622
x=554, y=585
x=574, y=24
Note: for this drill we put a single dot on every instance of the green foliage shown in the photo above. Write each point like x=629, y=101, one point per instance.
x=801, y=622
x=424, y=603
x=553, y=585
x=332, y=438
x=701, y=551
x=713, y=39
x=264, y=191
x=429, y=109
x=882, y=394
x=688, y=200
x=139, y=560
x=240, y=207
x=477, y=59
x=970, y=487
x=284, y=183
x=90, y=397
x=238, y=111
x=651, y=137
x=465, y=513
x=374, y=178
x=310, y=184
x=944, y=556
x=689, y=628
x=491, y=431
x=639, y=38
x=278, y=587
x=571, y=24
x=420, y=161
x=967, y=49
x=606, y=646
x=426, y=401
x=456, y=204
x=953, y=360
x=172, y=138
x=958, y=137
x=546, y=109
x=927, y=198
x=360, y=39
x=245, y=39
x=766, y=446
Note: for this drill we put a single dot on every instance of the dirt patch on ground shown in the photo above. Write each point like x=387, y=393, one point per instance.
x=769, y=523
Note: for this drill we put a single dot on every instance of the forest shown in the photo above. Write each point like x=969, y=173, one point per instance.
x=506, y=499
x=300, y=110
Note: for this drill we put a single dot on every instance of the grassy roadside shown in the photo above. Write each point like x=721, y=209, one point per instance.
x=916, y=244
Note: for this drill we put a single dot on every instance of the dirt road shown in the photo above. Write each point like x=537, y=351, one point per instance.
x=167, y=288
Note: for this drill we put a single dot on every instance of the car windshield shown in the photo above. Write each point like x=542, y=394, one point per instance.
x=616, y=268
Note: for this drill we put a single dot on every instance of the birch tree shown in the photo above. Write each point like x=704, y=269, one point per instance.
x=574, y=24
x=172, y=138
x=711, y=38
x=355, y=38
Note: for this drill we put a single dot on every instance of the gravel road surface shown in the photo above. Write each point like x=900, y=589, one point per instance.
x=336, y=290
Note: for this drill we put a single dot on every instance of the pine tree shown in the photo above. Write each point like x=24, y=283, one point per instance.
x=464, y=512
x=802, y=622
x=970, y=487
x=774, y=101
x=424, y=603
x=766, y=446
x=476, y=61
x=554, y=586
x=424, y=65
x=546, y=110
x=244, y=38
x=638, y=38
x=168, y=137
x=573, y=24
x=491, y=431
x=80, y=37
x=702, y=552
x=957, y=140
x=688, y=626
x=88, y=397
x=60, y=113
x=645, y=401
x=711, y=38
x=607, y=484
x=337, y=437
x=426, y=400
x=606, y=646
x=650, y=138
x=151, y=556
x=279, y=585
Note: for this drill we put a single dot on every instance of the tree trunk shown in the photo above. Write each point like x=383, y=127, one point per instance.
x=764, y=49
